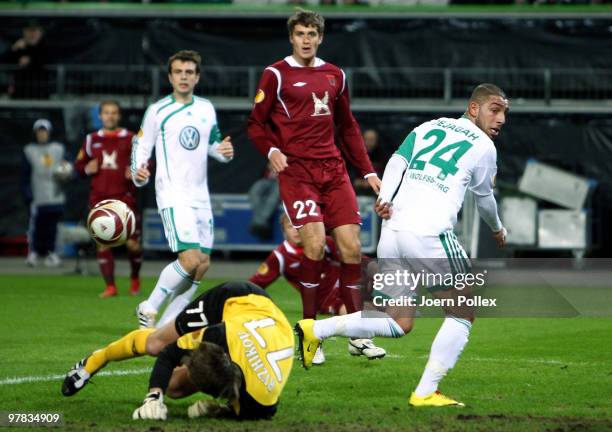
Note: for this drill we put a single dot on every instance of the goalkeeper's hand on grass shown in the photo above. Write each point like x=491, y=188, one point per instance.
x=152, y=408
x=208, y=408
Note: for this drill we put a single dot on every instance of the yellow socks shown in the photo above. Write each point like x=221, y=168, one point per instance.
x=129, y=346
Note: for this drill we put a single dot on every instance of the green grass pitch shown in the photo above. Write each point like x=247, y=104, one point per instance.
x=515, y=374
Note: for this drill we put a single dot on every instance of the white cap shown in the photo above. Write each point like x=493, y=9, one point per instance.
x=42, y=124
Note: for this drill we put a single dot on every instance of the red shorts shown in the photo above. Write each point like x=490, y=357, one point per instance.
x=318, y=190
x=331, y=303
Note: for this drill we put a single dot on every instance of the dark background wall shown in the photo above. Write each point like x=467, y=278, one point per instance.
x=581, y=143
x=440, y=42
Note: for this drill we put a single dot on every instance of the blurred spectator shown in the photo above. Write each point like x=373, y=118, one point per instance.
x=264, y=198
x=29, y=55
x=44, y=169
x=371, y=140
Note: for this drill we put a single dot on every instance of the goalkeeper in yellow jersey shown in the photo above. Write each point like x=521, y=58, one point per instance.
x=238, y=347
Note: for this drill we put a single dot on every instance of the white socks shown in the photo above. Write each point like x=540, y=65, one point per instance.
x=178, y=301
x=172, y=279
x=363, y=325
x=445, y=351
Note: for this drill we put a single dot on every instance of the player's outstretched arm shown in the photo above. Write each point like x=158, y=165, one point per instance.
x=153, y=407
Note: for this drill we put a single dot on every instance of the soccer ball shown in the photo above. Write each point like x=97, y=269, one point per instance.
x=111, y=223
x=63, y=171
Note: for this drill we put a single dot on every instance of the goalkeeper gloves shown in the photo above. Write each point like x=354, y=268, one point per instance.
x=152, y=408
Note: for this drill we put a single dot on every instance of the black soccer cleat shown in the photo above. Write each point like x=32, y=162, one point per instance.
x=75, y=379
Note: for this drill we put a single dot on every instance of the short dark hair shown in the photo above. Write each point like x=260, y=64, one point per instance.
x=213, y=372
x=482, y=92
x=185, y=56
x=307, y=19
x=108, y=102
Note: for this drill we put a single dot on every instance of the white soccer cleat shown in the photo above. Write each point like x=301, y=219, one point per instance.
x=32, y=259
x=319, y=357
x=76, y=378
x=53, y=260
x=146, y=315
x=365, y=347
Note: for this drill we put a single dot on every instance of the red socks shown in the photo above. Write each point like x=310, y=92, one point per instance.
x=310, y=281
x=135, y=264
x=350, y=286
x=106, y=261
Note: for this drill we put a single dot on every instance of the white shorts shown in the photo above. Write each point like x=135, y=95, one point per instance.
x=188, y=228
x=433, y=260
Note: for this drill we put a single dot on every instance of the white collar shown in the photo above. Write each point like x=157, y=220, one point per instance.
x=289, y=248
x=121, y=132
x=293, y=62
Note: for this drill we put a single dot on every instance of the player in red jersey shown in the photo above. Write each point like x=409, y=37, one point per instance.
x=301, y=103
x=286, y=260
x=105, y=157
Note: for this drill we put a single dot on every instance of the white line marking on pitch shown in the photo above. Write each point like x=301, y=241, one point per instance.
x=504, y=360
x=34, y=379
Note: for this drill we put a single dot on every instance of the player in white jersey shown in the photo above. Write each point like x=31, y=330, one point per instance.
x=184, y=132
x=423, y=188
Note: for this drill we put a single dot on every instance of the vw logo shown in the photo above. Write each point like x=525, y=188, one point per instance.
x=189, y=138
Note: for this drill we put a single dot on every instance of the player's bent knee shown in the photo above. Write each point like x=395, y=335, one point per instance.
x=161, y=337
x=189, y=260
x=154, y=345
x=351, y=253
x=101, y=248
x=315, y=251
x=405, y=324
x=133, y=246
x=204, y=265
x=204, y=260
